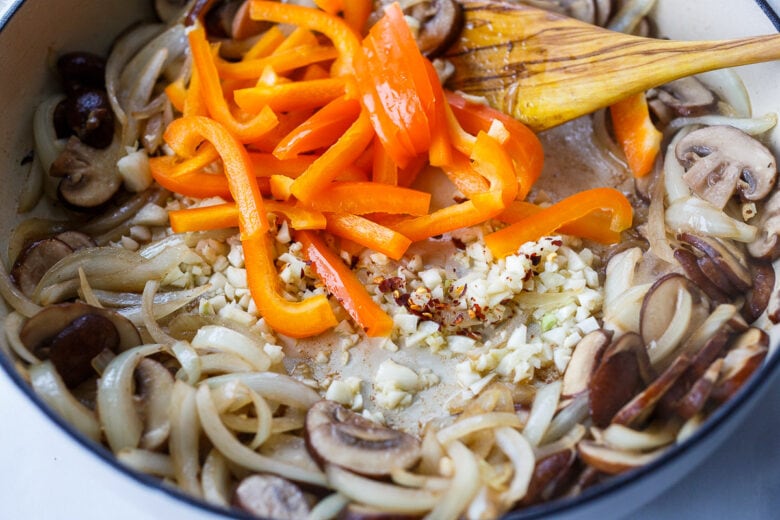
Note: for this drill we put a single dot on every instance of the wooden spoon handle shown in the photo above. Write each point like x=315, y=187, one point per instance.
x=546, y=69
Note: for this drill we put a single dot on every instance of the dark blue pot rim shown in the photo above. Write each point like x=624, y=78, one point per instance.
x=748, y=394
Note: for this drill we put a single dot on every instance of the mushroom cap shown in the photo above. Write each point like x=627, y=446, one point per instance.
x=721, y=160
x=269, y=496
x=342, y=437
x=442, y=21
x=687, y=97
x=766, y=246
x=89, y=176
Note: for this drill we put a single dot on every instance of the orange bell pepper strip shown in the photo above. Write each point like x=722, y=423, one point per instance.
x=462, y=174
x=481, y=207
x=266, y=164
x=440, y=152
x=368, y=234
x=330, y=6
x=320, y=130
x=338, y=157
x=301, y=319
x=362, y=198
x=593, y=226
x=334, y=28
x=185, y=134
x=492, y=161
x=356, y=13
x=268, y=43
x=187, y=181
x=342, y=283
x=194, y=104
x=213, y=97
x=383, y=168
x=287, y=123
x=282, y=97
x=280, y=62
x=280, y=187
x=523, y=145
x=177, y=94
x=549, y=220
x=221, y=216
x=636, y=134
x=396, y=88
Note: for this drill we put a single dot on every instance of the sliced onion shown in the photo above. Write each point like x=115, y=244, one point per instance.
x=690, y=427
x=465, y=483
x=152, y=327
x=629, y=15
x=620, y=274
x=517, y=448
x=31, y=229
x=729, y=87
x=223, y=339
x=48, y=385
x=624, y=438
x=222, y=363
x=622, y=315
x=14, y=297
x=280, y=388
x=475, y=423
x=542, y=411
x=47, y=146
x=85, y=290
x=752, y=125
x=387, y=497
x=568, y=441
x=111, y=268
x=145, y=461
x=569, y=417
x=329, y=507
x=675, y=185
x=115, y=401
x=406, y=478
x=215, y=479
x=117, y=222
x=656, y=224
x=165, y=303
x=156, y=393
x=12, y=326
x=141, y=92
x=721, y=315
x=241, y=455
x=701, y=217
x=605, y=140
x=32, y=188
x=676, y=330
x=189, y=359
x=184, y=438
x=124, y=49
x=260, y=424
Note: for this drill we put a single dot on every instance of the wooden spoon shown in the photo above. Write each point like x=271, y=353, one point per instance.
x=546, y=69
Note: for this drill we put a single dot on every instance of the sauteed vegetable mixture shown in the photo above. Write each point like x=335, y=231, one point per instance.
x=290, y=272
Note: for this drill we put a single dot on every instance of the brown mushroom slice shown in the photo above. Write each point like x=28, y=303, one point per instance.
x=616, y=379
x=76, y=239
x=714, y=273
x=583, y=362
x=687, y=97
x=757, y=299
x=441, y=22
x=550, y=473
x=671, y=309
x=269, y=496
x=744, y=357
x=89, y=177
x=53, y=318
x=766, y=245
x=689, y=262
x=35, y=260
x=612, y=461
x=154, y=387
x=693, y=401
x=243, y=26
x=730, y=260
x=342, y=437
x=721, y=159
x=636, y=411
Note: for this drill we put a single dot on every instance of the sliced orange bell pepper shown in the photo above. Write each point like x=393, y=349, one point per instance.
x=594, y=226
x=342, y=283
x=266, y=164
x=368, y=234
x=221, y=216
x=636, y=133
x=213, y=97
x=549, y=220
x=361, y=198
x=187, y=181
x=294, y=95
x=301, y=319
x=383, y=168
x=177, y=94
x=280, y=62
x=320, y=130
x=268, y=43
x=356, y=13
x=327, y=167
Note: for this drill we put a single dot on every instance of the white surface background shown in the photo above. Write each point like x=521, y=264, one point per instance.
x=46, y=475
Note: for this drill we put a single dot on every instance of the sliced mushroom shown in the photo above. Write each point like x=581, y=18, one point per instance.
x=76, y=239
x=687, y=97
x=440, y=24
x=90, y=118
x=342, y=437
x=689, y=262
x=583, y=362
x=35, y=260
x=269, y=496
x=744, y=357
x=89, y=176
x=614, y=461
x=693, y=401
x=757, y=299
x=729, y=260
x=636, y=411
x=766, y=246
x=616, y=379
x=549, y=476
x=243, y=26
x=721, y=160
